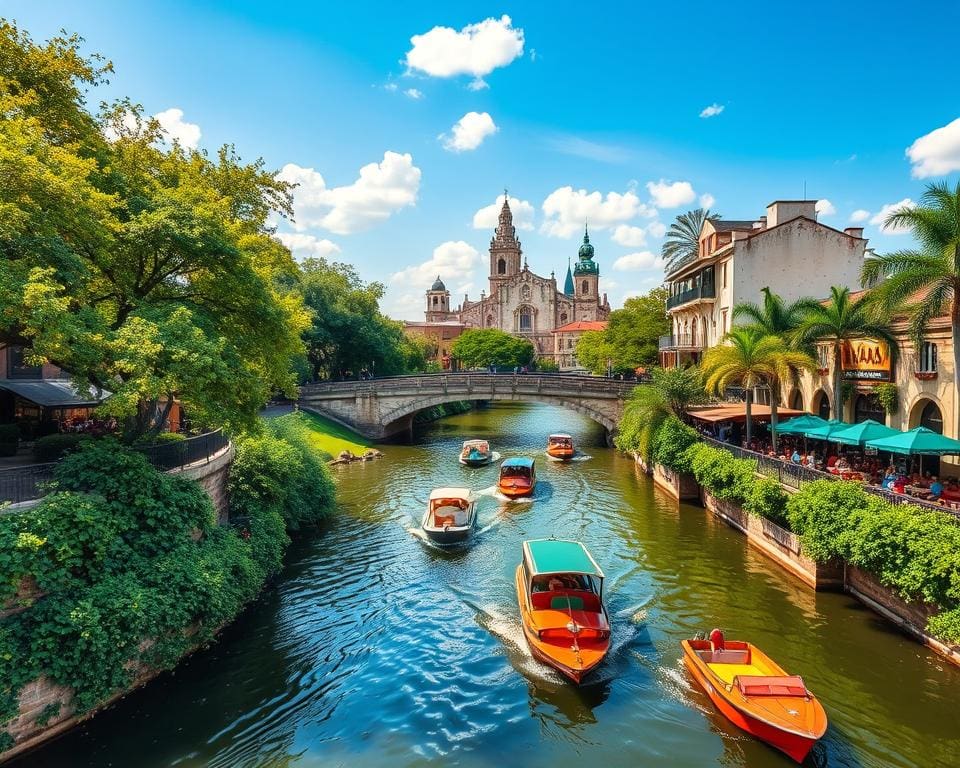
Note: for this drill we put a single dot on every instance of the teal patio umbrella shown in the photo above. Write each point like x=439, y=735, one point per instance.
x=800, y=424
x=860, y=434
x=917, y=441
x=826, y=431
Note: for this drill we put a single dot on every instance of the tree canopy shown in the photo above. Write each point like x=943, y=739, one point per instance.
x=480, y=347
x=631, y=338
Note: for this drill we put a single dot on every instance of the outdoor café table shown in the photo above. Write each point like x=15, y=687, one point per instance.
x=915, y=490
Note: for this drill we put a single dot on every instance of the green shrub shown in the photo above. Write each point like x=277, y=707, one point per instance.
x=546, y=365
x=9, y=439
x=946, y=626
x=767, y=499
x=55, y=447
x=724, y=476
x=671, y=442
x=164, y=438
x=821, y=513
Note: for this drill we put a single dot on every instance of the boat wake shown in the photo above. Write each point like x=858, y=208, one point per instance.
x=575, y=457
x=493, y=493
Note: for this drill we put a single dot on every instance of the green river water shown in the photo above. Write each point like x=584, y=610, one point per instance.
x=373, y=649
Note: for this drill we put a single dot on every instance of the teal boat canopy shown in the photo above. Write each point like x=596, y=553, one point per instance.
x=553, y=556
x=518, y=461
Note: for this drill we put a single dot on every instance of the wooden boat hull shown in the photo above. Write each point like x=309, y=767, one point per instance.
x=564, y=454
x=452, y=534
x=794, y=742
x=573, y=666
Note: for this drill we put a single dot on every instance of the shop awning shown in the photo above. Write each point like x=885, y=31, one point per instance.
x=54, y=393
x=738, y=412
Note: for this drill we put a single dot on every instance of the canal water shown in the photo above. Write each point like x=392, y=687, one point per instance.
x=373, y=649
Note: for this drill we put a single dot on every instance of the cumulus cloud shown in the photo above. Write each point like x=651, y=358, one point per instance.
x=487, y=217
x=707, y=200
x=454, y=261
x=475, y=50
x=656, y=229
x=667, y=194
x=859, y=216
x=713, y=110
x=937, y=153
x=567, y=209
x=381, y=190
x=469, y=132
x=881, y=216
x=825, y=208
x=631, y=237
x=413, y=93
x=305, y=246
x=173, y=124
x=638, y=261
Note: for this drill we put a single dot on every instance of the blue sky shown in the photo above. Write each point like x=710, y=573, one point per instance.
x=403, y=121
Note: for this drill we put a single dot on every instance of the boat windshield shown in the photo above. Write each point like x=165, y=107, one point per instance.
x=558, y=582
x=562, y=442
x=510, y=471
x=458, y=503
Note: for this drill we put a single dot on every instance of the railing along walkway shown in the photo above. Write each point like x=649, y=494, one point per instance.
x=793, y=476
x=28, y=482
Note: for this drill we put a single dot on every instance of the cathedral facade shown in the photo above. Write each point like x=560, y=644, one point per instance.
x=520, y=302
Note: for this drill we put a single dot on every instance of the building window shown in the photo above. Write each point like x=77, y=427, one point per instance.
x=723, y=273
x=928, y=357
x=868, y=407
x=823, y=408
x=434, y=301
x=569, y=343
x=584, y=287
x=796, y=401
x=526, y=320
x=931, y=418
x=563, y=317
x=17, y=366
x=501, y=267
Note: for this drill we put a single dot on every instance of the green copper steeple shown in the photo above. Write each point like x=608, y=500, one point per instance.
x=568, y=283
x=586, y=264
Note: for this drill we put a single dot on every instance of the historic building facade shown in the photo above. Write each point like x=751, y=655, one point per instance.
x=520, y=302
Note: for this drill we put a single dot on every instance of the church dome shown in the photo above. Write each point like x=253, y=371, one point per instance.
x=586, y=249
x=438, y=285
x=586, y=265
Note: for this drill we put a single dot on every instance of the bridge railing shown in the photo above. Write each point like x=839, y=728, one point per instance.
x=479, y=380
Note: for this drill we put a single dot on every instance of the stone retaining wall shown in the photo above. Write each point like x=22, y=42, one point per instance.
x=681, y=486
x=213, y=476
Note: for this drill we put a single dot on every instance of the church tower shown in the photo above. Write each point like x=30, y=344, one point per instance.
x=505, y=249
x=438, y=302
x=586, y=281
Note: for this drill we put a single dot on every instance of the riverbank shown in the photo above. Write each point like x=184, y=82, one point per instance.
x=125, y=571
x=323, y=435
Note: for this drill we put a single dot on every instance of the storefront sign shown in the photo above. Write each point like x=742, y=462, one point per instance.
x=865, y=360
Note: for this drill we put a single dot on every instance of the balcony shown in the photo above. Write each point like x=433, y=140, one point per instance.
x=703, y=291
x=681, y=341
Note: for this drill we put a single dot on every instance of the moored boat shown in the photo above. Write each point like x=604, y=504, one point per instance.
x=756, y=694
x=560, y=593
x=560, y=446
x=450, y=516
x=518, y=477
x=475, y=453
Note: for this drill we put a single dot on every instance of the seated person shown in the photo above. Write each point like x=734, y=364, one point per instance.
x=831, y=461
x=936, y=488
x=842, y=464
x=796, y=457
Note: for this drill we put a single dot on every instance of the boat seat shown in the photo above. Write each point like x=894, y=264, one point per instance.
x=562, y=602
x=729, y=657
x=588, y=601
x=752, y=685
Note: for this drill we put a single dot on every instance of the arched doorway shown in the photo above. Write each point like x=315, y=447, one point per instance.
x=866, y=407
x=931, y=417
x=822, y=404
x=796, y=400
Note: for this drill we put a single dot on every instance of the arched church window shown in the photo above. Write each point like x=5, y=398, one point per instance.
x=584, y=287
x=563, y=317
x=501, y=267
x=526, y=319
x=434, y=301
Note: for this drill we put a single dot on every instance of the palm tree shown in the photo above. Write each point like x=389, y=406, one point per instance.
x=776, y=318
x=926, y=282
x=670, y=393
x=748, y=358
x=683, y=238
x=841, y=319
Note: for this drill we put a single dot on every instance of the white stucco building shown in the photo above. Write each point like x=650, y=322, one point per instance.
x=787, y=250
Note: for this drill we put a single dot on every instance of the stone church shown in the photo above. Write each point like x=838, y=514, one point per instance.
x=519, y=301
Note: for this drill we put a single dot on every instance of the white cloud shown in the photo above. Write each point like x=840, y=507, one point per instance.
x=707, y=200
x=637, y=261
x=413, y=93
x=469, y=132
x=454, y=261
x=656, y=229
x=381, y=190
x=606, y=284
x=825, y=208
x=667, y=194
x=592, y=150
x=173, y=124
x=487, y=217
x=475, y=50
x=881, y=216
x=567, y=209
x=477, y=84
x=390, y=87
x=631, y=237
x=937, y=153
x=307, y=246
x=859, y=216
x=713, y=110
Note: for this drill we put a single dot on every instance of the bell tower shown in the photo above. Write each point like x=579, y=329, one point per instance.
x=586, y=280
x=438, y=302
x=505, y=252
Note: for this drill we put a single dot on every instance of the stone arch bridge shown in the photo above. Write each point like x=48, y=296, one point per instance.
x=382, y=408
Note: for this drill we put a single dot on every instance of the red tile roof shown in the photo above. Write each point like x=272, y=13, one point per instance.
x=582, y=325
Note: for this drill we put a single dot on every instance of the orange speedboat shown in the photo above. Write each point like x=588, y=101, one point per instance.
x=755, y=694
x=560, y=592
x=518, y=477
x=560, y=446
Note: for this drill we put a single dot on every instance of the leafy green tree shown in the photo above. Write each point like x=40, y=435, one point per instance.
x=749, y=358
x=683, y=238
x=631, y=338
x=774, y=317
x=838, y=320
x=924, y=282
x=480, y=347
